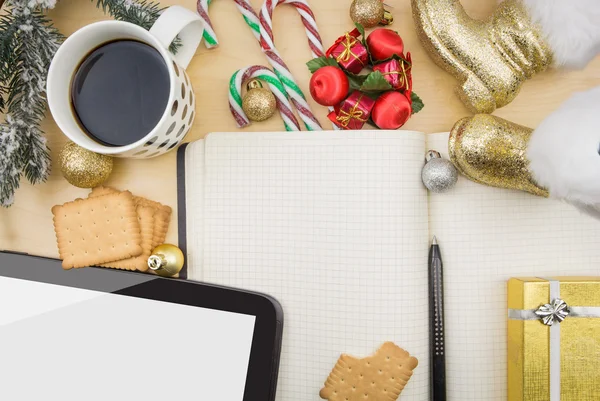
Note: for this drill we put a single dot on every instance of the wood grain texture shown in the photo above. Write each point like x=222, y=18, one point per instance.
x=27, y=225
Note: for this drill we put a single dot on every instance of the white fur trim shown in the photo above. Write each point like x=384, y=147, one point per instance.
x=571, y=27
x=564, y=151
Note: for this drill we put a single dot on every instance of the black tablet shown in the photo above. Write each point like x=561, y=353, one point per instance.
x=99, y=334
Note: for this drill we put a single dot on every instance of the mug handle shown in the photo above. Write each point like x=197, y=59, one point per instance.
x=177, y=20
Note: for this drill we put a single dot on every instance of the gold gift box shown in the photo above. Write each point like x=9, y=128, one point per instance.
x=529, y=341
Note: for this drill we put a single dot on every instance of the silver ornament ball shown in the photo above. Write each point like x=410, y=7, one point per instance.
x=438, y=175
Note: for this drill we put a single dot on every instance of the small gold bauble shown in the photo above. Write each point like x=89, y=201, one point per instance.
x=166, y=260
x=83, y=168
x=370, y=13
x=259, y=103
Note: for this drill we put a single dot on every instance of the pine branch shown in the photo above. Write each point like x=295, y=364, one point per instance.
x=31, y=41
x=140, y=13
x=9, y=64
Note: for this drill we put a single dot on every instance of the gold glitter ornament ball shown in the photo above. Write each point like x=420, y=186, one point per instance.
x=368, y=13
x=83, y=168
x=259, y=103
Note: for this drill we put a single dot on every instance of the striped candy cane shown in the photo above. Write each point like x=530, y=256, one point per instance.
x=209, y=35
x=316, y=46
x=263, y=32
x=259, y=72
x=281, y=69
x=308, y=19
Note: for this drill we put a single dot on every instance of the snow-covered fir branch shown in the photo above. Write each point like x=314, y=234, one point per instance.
x=143, y=13
x=32, y=42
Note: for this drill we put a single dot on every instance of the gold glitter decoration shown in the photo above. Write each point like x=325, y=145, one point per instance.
x=491, y=59
x=83, y=168
x=259, y=103
x=529, y=345
x=492, y=151
x=368, y=13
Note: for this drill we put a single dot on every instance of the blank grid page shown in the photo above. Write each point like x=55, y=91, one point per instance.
x=334, y=225
x=488, y=235
x=194, y=201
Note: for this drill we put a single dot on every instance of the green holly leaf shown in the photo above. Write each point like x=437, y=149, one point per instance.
x=417, y=103
x=316, y=63
x=356, y=81
x=361, y=29
x=363, y=35
x=376, y=82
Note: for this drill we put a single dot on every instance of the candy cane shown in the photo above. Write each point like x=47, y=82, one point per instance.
x=209, y=35
x=262, y=73
x=281, y=69
x=308, y=19
x=264, y=33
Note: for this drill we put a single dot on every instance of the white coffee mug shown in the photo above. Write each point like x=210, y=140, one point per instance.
x=180, y=111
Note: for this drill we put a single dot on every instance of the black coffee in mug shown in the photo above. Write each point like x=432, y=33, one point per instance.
x=120, y=92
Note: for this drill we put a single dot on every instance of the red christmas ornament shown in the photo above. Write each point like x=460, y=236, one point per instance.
x=329, y=86
x=391, y=111
x=384, y=43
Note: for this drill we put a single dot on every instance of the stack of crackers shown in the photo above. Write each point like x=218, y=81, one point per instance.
x=110, y=228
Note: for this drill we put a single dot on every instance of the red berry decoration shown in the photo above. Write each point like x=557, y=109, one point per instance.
x=384, y=43
x=391, y=111
x=329, y=86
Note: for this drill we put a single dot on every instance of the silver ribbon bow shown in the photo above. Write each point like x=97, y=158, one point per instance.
x=554, y=312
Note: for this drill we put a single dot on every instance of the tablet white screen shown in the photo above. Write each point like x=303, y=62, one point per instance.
x=63, y=343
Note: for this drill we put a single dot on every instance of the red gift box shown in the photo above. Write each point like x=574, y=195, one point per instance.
x=354, y=112
x=349, y=52
x=397, y=72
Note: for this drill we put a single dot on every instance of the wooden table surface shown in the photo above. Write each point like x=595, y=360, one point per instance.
x=27, y=225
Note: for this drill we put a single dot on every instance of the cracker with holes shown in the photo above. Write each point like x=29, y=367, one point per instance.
x=98, y=230
x=162, y=213
x=145, y=216
x=162, y=218
x=380, y=377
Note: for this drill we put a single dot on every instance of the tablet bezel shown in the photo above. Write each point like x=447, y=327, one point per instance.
x=261, y=378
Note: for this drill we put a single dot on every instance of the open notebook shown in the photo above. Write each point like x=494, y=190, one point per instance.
x=337, y=226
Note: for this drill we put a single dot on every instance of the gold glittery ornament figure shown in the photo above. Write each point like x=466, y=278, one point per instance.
x=492, y=151
x=83, y=168
x=166, y=260
x=259, y=103
x=491, y=59
x=370, y=13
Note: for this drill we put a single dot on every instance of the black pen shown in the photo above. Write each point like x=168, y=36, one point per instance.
x=436, y=324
